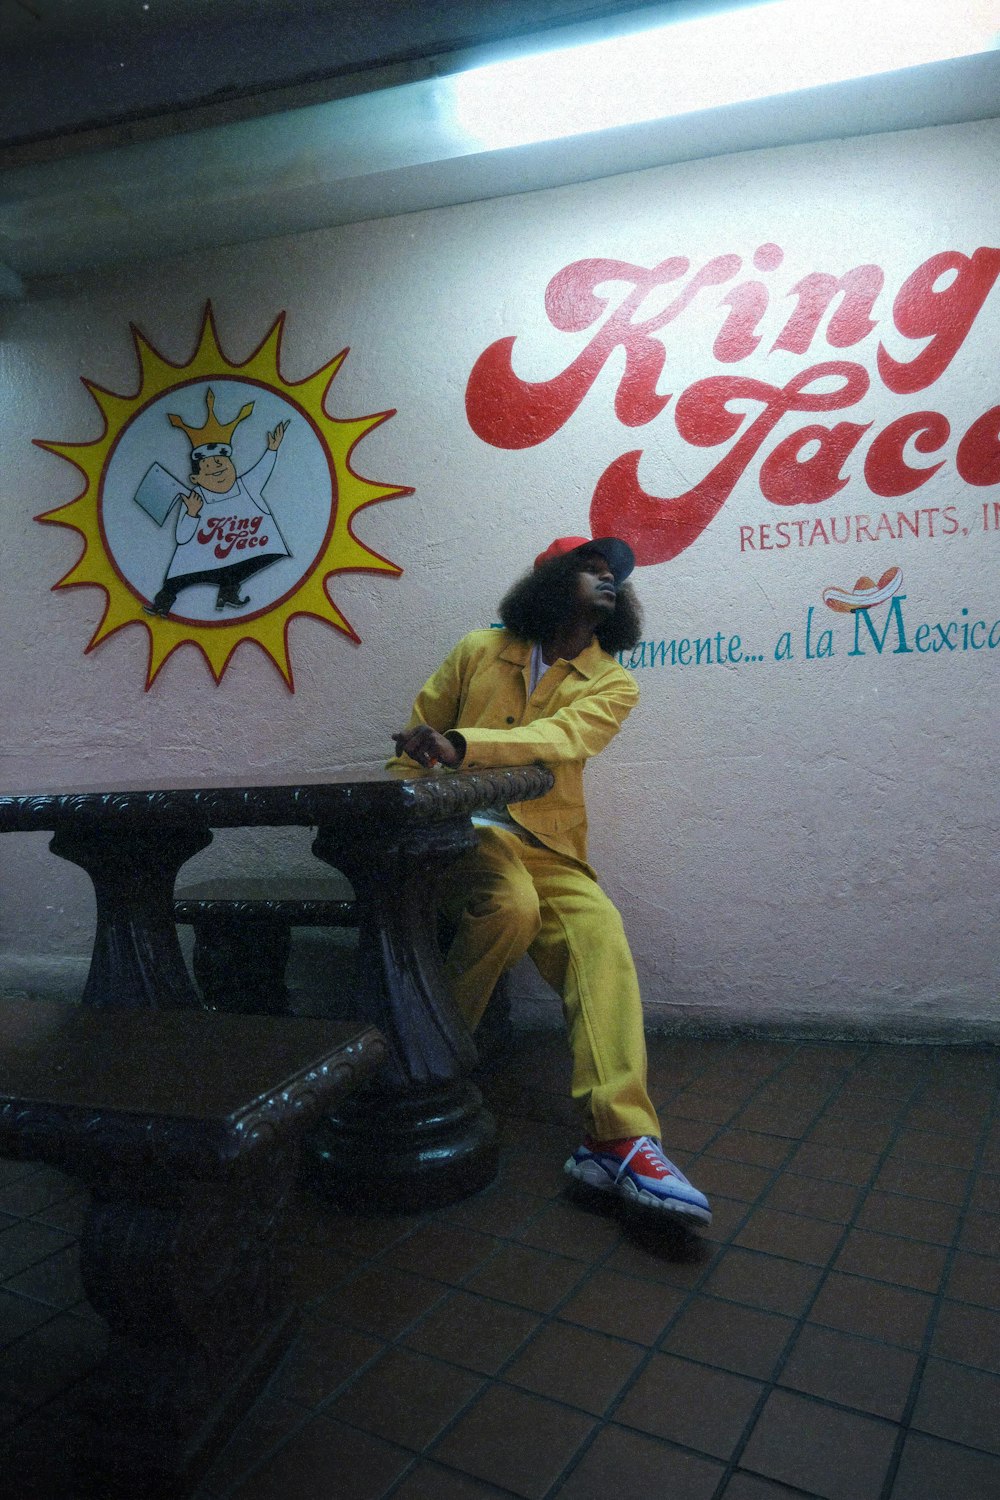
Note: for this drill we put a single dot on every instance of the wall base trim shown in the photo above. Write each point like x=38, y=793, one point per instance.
x=532, y=1013
x=62, y=978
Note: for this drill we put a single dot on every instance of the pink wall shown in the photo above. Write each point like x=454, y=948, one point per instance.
x=799, y=821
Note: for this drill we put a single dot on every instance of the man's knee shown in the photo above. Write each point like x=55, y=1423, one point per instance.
x=514, y=909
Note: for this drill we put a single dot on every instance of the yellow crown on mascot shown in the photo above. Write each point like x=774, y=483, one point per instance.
x=215, y=436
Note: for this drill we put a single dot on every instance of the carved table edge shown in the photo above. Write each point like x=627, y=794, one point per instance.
x=316, y=911
x=95, y=1142
x=429, y=798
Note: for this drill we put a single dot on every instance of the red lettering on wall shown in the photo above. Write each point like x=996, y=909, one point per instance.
x=852, y=320
x=658, y=528
x=509, y=412
x=945, y=317
x=786, y=478
x=978, y=456
x=807, y=465
x=738, y=335
x=886, y=471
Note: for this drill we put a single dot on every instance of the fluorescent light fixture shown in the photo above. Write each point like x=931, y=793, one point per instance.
x=711, y=60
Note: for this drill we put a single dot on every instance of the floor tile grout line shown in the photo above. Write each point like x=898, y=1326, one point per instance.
x=495, y=1379
x=593, y=1265
x=924, y=1354
x=774, y=1383
x=754, y=1203
x=691, y=1292
x=318, y=1409
x=546, y=1319
x=309, y=1415
x=397, y=1343
x=556, y=1313
x=501, y=1380
x=365, y=1259
x=891, y=1234
x=424, y=1458
x=741, y=1446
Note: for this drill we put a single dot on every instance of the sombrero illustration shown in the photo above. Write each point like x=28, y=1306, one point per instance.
x=865, y=594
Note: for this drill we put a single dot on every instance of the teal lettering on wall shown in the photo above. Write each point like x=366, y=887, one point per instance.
x=857, y=636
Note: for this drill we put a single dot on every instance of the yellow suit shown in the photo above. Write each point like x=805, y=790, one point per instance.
x=534, y=892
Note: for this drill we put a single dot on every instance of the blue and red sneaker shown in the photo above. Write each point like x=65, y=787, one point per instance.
x=637, y=1170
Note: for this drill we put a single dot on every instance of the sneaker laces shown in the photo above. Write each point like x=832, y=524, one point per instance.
x=654, y=1158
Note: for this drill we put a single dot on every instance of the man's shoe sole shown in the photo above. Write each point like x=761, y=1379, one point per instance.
x=626, y=1190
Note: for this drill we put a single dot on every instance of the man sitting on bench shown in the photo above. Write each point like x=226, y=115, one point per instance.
x=547, y=689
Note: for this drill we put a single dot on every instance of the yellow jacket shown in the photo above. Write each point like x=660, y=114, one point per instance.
x=578, y=706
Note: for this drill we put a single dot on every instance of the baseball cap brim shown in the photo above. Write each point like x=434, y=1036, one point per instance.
x=617, y=554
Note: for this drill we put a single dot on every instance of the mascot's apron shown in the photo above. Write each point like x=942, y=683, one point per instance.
x=231, y=528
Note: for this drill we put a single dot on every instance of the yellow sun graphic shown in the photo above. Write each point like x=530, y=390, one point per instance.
x=194, y=558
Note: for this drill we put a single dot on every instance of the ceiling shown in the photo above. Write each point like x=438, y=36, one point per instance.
x=138, y=128
x=78, y=66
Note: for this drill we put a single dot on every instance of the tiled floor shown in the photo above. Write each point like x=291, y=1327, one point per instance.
x=836, y=1333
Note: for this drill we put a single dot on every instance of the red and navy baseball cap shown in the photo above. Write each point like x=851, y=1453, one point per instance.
x=617, y=554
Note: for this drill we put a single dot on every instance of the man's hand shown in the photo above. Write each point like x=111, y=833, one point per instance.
x=428, y=748
x=193, y=503
x=274, y=438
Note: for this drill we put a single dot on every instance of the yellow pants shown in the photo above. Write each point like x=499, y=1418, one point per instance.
x=509, y=898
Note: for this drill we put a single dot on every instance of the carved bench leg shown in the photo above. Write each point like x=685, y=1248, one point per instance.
x=240, y=965
x=190, y=1279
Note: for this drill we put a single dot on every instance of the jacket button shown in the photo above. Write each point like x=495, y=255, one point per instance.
x=510, y=718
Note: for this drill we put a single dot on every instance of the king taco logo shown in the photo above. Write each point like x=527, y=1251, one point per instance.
x=218, y=501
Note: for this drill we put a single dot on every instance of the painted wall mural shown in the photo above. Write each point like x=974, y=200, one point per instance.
x=813, y=637
x=800, y=821
x=858, y=470
x=933, y=310
x=218, y=502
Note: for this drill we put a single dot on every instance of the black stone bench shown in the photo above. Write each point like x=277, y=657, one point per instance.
x=242, y=942
x=243, y=933
x=186, y=1126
